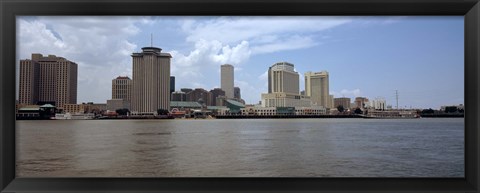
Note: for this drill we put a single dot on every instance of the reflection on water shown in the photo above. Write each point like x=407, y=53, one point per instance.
x=241, y=148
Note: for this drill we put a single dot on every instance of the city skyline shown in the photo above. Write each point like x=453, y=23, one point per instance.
x=360, y=53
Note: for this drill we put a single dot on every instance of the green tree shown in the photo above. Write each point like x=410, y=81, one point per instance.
x=451, y=109
x=428, y=111
x=340, y=108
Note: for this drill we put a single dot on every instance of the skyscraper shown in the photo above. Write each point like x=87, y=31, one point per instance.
x=48, y=79
x=236, y=93
x=226, y=76
x=122, y=88
x=172, y=84
x=283, y=78
x=151, y=80
x=317, y=87
x=283, y=88
x=121, y=93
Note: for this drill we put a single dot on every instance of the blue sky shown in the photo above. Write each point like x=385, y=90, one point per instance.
x=421, y=57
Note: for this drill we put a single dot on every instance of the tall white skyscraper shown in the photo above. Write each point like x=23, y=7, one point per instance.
x=226, y=76
x=317, y=87
x=151, y=80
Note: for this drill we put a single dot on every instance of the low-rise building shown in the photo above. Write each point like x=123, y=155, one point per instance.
x=282, y=99
x=114, y=104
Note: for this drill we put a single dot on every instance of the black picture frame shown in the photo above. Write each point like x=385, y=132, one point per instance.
x=9, y=9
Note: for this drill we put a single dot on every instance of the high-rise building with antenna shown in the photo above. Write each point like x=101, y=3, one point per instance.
x=151, y=81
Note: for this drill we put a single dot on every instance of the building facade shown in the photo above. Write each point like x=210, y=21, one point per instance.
x=122, y=88
x=178, y=96
x=201, y=96
x=283, y=88
x=379, y=103
x=331, y=103
x=360, y=102
x=342, y=101
x=172, y=84
x=317, y=87
x=49, y=79
x=227, y=77
x=283, y=78
x=151, y=81
x=115, y=104
x=216, y=92
x=236, y=93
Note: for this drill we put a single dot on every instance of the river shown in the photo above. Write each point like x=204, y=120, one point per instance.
x=427, y=147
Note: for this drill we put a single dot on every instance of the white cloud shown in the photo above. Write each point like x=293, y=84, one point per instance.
x=236, y=29
x=205, y=58
x=347, y=93
x=99, y=45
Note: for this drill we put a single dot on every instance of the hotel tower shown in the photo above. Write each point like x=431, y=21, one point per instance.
x=316, y=87
x=226, y=76
x=151, y=81
x=283, y=87
x=48, y=79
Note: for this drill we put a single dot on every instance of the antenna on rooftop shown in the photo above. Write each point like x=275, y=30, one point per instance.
x=151, y=40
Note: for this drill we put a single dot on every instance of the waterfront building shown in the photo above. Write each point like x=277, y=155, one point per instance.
x=216, y=92
x=283, y=78
x=75, y=108
x=220, y=101
x=379, y=103
x=226, y=82
x=201, y=96
x=236, y=93
x=266, y=111
x=49, y=79
x=185, y=105
x=317, y=87
x=360, y=102
x=283, y=88
x=114, y=104
x=151, y=81
x=283, y=99
x=122, y=89
x=179, y=96
x=85, y=108
x=331, y=102
x=342, y=101
x=459, y=107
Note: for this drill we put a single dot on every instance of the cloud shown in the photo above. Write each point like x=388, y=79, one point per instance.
x=99, y=45
x=236, y=29
x=265, y=34
x=347, y=93
x=207, y=56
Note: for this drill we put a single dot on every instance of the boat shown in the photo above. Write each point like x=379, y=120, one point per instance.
x=82, y=116
x=77, y=116
x=62, y=116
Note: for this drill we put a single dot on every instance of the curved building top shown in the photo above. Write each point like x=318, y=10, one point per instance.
x=152, y=50
x=283, y=66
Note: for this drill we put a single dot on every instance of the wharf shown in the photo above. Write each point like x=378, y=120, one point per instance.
x=284, y=116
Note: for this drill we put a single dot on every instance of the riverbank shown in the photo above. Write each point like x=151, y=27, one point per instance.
x=284, y=116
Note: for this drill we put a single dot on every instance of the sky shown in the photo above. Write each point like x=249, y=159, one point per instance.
x=421, y=57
